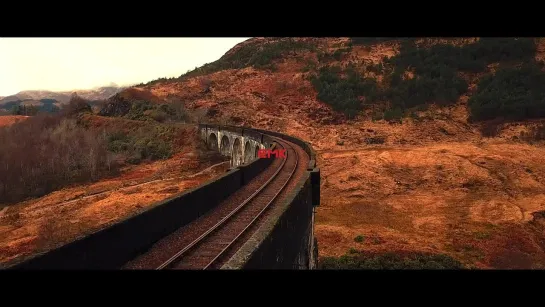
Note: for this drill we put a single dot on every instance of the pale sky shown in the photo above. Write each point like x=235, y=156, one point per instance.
x=63, y=64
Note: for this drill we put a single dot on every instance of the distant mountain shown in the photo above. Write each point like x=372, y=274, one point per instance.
x=100, y=93
x=62, y=97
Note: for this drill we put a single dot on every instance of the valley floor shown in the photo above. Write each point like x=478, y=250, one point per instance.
x=471, y=200
x=65, y=215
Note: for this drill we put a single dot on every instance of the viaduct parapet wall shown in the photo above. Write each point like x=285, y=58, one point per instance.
x=286, y=240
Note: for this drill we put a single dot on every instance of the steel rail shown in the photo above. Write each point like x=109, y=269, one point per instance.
x=173, y=260
x=259, y=214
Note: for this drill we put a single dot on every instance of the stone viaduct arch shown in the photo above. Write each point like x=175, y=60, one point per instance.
x=213, y=141
x=248, y=152
x=242, y=149
x=225, y=146
x=242, y=146
x=236, y=155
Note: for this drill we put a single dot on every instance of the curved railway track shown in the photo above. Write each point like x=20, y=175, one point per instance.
x=209, y=241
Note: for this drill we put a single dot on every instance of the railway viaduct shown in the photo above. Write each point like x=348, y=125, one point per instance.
x=232, y=142
x=283, y=238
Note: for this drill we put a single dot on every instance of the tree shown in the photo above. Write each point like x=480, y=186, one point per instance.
x=77, y=105
x=16, y=110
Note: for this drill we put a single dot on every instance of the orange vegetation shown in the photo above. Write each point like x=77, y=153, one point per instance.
x=138, y=94
x=11, y=119
x=64, y=215
x=434, y=184
x=444, y=197
x=429, y=185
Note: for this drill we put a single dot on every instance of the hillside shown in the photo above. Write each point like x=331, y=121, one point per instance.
x=64, y=96
x=78, y=172
x=431, y=150
x=419, y=140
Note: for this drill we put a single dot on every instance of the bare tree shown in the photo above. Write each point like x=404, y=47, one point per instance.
x=46, y=152
x=76, y=105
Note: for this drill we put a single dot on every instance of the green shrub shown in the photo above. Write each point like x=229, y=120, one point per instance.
x=338, y=54
x=378, y=68
x=152, y=148
x=394, y=115
x=145, y=111
x=512, y=93
x=156, y=115
x=145, y=143
x=342, y=93
x=375, y=140
x=377, y=116
x=310, y=66
x=435, y=68
x=472, y=57
x=324, y=57
x=391, y=261
x=167, y=109
x=134, y=158
x=138, y=108
x=118, y=142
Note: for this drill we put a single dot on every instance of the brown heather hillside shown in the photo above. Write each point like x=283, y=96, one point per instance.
x=398, y=175
x=431, y=184
x=40, y=223
x=34, y=225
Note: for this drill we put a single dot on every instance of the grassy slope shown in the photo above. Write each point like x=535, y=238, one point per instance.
x=430, y=184
x=34, y=225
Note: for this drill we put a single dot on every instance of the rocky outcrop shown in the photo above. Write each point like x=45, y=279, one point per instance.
x=115, y=106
